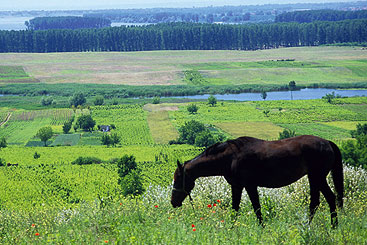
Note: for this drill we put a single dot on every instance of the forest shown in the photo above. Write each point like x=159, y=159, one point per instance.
x=320, y=15
x=185, y=36
x=66, y=22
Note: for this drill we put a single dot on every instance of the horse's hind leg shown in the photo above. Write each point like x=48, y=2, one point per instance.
x=315, y=196
x=254, y=197
x=330, y=198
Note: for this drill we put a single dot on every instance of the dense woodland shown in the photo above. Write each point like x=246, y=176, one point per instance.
x=66, y=22
x=185, y=36
x=320, y=15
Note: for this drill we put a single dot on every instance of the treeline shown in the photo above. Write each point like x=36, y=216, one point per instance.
x=66, y=22
x=109, y=91
x=185, y=36
x=320, y=15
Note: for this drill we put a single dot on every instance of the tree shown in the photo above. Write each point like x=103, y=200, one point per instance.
x=205, y=139
x=36, y=155
x=115, y=139
x=3, y=143
x=78, y=99
x=106, y=139
x=192, y=109
x=156, y=100
x=45, y=134
x=67, y=126
x=99, y=100
x=212, y=100
x=46, y=101
x=130, y=178
x=292, y=86
x=189, y=131
x=287, y=133
x=264, y=95
x=86, y=122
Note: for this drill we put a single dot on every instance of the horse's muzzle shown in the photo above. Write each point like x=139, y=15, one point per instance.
x=176, y=205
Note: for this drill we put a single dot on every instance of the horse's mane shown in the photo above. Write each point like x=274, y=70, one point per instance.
x=222, y=146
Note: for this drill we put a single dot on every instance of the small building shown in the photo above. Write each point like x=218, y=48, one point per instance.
x=105, y=128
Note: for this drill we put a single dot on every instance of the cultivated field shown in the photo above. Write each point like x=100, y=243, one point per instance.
x=311, y=65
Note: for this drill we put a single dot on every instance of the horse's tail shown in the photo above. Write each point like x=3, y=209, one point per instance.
x=337, y=174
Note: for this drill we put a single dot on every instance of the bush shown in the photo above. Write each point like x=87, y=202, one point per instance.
x=99, y=100
x=156, y=100
x=130, y=178
x=46, y=101
x=3, y=143
x=287, y=133
x=205, y=139
x=36, y=155
x=86, y=122
x=86, y=161
x=2, y=162
x=192, y=109
x=78, y=99
x=189, y=131
x=66, y=127
x=212, y=100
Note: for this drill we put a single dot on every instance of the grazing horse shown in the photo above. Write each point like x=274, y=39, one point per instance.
x=249, y=163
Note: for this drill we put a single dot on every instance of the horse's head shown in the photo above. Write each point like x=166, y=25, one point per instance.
x=182, y=186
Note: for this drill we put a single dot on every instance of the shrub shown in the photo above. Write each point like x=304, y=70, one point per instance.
x=86, y=122
x=212, y=100
x=2, y=162
x=192, y=109
x=205, y=139
x=130, y=178
x=86, y=161
x=36, y=155
x=156, y=100
x=66, y=127
x=99, y=100
x=189, y=131
x=287, y=133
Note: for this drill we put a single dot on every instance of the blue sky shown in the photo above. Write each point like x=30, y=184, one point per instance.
x=108, y=4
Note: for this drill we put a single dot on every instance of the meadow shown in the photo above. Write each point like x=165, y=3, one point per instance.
x=50, y=200
x=305, y=65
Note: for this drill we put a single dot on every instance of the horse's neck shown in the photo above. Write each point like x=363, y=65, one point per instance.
x=199, y=168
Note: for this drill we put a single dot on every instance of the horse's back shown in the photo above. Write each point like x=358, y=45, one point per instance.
x=282, y=162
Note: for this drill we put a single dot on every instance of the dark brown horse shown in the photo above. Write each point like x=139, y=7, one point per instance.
x=250, y=163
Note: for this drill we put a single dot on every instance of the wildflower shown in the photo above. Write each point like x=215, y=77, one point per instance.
x=33, y=225
x=192, y=225
x=201, y=218
x=209, y=205
x=156, y=206
x=218, y=201
x=222, y=221
x=106, y=241
x=120, y=203
x=194, y=229
x=213, y=212
x=214, y=204
x=37, y=234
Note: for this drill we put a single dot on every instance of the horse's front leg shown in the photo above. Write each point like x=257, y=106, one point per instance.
x=236, y=197
x=254, y=197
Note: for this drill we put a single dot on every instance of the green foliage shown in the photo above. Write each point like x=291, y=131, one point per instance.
x=130, y=178
x=212, y=100
x=156, y=100
x=194, y=77
x=266, y=112
x=2, y=162
x=205, y=139
x=3, y=142
x=112, y=139
x=287, y=133
x=189, y=131
x=330, y=97
x=47, y=101
x=66, y=127
x=98, y=100
x=86, y=161
x=361, y=130
x=66, y=140
x=45, y=134
x=264, y=95
x=36, y=155
x=78, y=99
x=192, y=108
x=86, y=122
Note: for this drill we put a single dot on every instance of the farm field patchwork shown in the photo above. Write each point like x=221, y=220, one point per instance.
x=311, y=65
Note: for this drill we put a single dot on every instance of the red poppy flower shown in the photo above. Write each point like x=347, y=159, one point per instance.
x=214, y=204
x=37, y=234
x=218, y=201
x=222, y=221
x=192, y=225
x=156, y=206
x=33, y=225
x=120, y=203
x=209, y=205
x=106, y=241
x=201, y=218
x=194, y=229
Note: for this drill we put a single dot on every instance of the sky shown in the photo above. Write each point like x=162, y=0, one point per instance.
x=14, y=5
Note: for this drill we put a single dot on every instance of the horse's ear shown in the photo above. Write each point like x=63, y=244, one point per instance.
x=179, y=165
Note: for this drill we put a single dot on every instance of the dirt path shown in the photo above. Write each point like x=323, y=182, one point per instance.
x=6, y=119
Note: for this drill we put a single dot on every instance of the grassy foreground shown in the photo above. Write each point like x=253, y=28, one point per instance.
x=151, y=219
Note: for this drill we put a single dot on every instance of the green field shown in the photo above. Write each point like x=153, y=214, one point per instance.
x=332, y=65
x=50, y=200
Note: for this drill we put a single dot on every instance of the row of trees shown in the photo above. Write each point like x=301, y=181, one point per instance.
x=320, y=15
x=185, y=36
x=66, y=22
